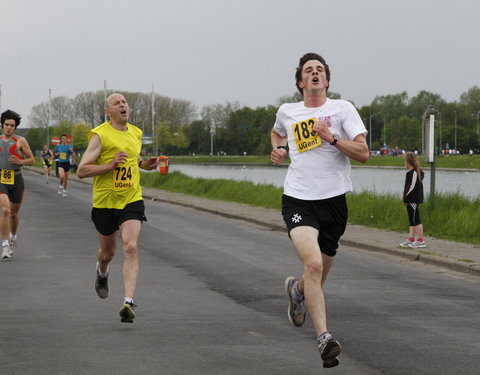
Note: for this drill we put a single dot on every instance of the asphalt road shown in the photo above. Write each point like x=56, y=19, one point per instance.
x=211, y=301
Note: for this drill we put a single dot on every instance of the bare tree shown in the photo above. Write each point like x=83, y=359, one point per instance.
x=88, y=106
x=61, y=109
x=39, y=116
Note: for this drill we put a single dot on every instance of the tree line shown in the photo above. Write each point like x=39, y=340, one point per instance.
x=176, y=127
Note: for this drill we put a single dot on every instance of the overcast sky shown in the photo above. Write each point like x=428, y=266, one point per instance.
x=214, y=51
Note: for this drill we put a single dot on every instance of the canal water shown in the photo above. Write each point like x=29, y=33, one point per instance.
x=372, y=179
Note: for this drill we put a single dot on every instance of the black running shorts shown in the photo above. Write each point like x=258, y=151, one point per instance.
x=15, y=191
x=65, y=165
x=413, y=210
x=328, y=216
x=108, y=220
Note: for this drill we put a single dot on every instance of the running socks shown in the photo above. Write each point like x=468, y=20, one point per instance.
x=324, y=337
x=128, y=300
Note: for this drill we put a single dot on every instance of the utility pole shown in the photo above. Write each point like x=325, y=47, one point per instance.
x=155, y=140
x=455, y=132
x=105, y=98
x=49, y=114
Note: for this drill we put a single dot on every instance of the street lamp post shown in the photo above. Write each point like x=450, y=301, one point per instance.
x=455, y=145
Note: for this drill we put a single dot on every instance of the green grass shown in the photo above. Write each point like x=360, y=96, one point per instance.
x=453, y=217
x=227, y=190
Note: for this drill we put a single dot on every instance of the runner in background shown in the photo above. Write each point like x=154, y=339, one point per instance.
x=14, y=152
x=64, y=152
x=46, y=156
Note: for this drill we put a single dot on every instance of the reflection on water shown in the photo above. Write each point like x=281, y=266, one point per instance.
x=378, y=180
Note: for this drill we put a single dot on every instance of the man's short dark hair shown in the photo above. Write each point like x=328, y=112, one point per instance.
x=301, y=63
x=10, y=115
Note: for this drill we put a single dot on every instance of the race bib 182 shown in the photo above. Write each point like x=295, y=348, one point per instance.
x=305, y=138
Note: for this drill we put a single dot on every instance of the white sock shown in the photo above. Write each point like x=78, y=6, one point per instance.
x=13, y=237
x=5, y=242
x=128, y=300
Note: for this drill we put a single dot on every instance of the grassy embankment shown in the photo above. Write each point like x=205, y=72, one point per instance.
x=453, y=218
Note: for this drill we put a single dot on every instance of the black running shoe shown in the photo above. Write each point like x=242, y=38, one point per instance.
x=101, y=286
x=329, y=350
x=126, y=312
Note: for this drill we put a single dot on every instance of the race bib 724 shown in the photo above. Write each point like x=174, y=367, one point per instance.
x=122, y=178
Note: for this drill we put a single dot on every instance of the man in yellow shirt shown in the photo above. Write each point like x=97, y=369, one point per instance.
x=113, y=159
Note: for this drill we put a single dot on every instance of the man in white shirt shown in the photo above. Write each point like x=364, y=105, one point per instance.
x=322, y=135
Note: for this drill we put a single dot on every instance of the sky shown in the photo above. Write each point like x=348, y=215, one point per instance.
x=219, y=51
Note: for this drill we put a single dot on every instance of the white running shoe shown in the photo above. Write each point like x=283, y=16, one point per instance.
x=418, y=244
x=406, y=243
x=64, y=194
x=6, y=252
x=60, y=190
x=13, y=246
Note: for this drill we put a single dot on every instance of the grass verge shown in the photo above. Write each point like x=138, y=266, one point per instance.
x=453, y=217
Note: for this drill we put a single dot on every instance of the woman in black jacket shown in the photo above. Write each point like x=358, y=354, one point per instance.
x=412, y=197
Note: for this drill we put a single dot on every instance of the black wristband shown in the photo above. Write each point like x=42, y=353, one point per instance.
x=281, y=148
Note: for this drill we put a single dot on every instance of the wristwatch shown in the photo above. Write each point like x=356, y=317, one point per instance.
x=336, y=137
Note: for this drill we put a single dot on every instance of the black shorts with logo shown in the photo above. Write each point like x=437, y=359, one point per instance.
x=328, y=216
x=108, y=220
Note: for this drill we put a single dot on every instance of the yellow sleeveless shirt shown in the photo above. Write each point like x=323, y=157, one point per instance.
x=117, y=188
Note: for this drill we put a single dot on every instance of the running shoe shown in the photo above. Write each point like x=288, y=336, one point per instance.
x=64, y=194
x=6, y=251
x=13, y=246
x=417, y=244
x=101, y=285
x=296, y=310
x=406, y=243
x=60, y=190
x=126, y=312
x=329, y=349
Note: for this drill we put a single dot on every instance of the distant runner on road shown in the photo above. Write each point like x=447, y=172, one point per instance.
x=113, y=158
x=14, y=152
x=64, y=152
x=46, y=156
x=321, y=135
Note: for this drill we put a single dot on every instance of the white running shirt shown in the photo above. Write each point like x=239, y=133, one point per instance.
x=317, y=170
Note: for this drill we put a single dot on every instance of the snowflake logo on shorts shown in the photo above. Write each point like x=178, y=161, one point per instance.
x=296, y=218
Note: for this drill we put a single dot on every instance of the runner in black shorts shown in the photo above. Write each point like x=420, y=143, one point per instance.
x=64, y=151
x=14, y=152
x=117, y=196
x=46, y=157
x=320, y=134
